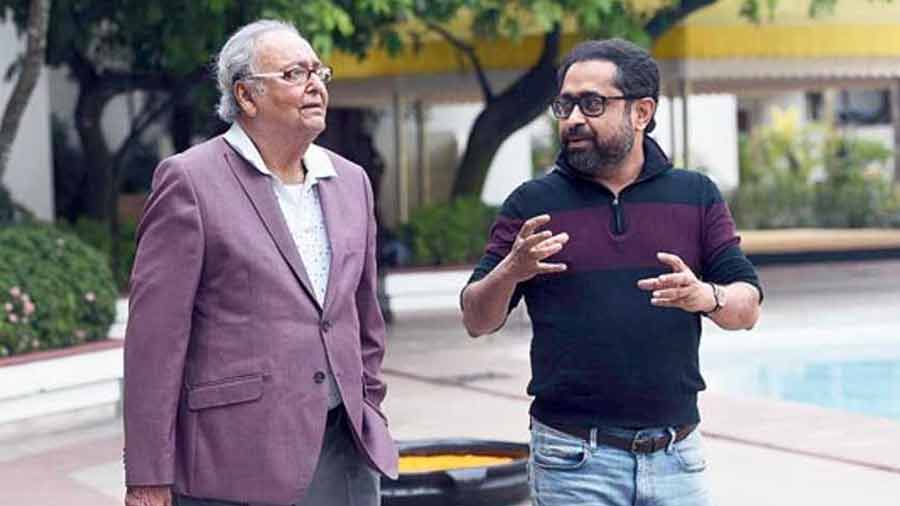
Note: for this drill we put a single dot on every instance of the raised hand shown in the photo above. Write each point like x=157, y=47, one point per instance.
x=525, y=259
x=148, y=496
x=680, y=288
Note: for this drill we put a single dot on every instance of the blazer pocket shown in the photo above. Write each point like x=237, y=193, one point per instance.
x=226, y=392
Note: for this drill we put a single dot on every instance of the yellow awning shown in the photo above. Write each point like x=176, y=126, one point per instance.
x=856, y=28
x=861, y=29
x=435, y=55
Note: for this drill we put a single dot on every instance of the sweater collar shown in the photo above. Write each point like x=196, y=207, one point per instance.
x=655, y=162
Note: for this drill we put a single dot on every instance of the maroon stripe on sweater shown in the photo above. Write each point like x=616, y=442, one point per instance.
x=650, y=228
x=719, y=231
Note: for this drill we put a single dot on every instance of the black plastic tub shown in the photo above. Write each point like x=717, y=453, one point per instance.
x=496, y=485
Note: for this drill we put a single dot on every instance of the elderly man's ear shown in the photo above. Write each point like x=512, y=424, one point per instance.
x=245, y=99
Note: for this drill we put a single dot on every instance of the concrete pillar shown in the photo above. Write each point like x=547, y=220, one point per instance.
x=895, y=121
x=685, y=134
x=673, y=151
x=400, y=160
x=424, y=171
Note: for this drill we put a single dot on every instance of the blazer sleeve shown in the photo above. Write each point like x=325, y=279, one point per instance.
x=371, y=322
x=164, y=280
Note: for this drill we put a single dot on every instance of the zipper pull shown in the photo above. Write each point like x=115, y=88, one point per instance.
x=618, y=222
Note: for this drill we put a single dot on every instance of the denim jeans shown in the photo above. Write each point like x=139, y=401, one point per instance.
x=566, y=470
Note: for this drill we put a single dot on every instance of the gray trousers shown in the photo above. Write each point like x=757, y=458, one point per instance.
x=342, y=477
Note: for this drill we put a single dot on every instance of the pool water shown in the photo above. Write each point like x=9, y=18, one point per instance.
x=868, y=385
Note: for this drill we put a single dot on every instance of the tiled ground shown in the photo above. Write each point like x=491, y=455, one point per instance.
x=443, y=384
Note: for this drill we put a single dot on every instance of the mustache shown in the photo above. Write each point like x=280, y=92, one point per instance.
x=576, y=132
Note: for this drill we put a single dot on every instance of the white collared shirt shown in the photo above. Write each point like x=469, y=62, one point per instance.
x=302, y=211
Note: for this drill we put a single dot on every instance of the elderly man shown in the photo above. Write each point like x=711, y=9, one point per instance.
x=254, y=344
x=618, y=255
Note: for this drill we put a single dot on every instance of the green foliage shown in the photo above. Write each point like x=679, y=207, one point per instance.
x=145, y=38
x=810, y=176
x=55, y=291
x=96, y=234
x=452, y=233
x=855, y=192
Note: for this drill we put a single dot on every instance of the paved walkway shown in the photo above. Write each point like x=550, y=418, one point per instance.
x=443, y=384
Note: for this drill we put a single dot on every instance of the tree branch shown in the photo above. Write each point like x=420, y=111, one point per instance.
x=663, y=20
x=469, y=52
x=147, y=117
x=38, y=14
x=518, y=105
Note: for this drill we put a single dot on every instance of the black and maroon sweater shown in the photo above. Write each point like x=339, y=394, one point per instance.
x=601, y=353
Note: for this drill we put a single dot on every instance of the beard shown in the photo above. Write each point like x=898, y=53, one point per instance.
x=603, y=156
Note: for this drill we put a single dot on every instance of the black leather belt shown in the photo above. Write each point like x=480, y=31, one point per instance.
x=636, y=445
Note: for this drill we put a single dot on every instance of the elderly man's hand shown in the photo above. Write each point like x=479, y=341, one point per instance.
x=680, y=288
x=525, y=259
x=148, y=496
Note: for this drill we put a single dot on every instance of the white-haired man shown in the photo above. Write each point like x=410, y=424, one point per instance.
x=254, y=344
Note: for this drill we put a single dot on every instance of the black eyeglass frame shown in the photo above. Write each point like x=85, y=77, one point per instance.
x=562, y=107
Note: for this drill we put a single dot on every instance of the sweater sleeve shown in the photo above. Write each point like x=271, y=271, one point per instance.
x=500, y=241
x=723, y=261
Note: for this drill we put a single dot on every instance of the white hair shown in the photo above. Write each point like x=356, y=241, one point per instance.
x=237, y=60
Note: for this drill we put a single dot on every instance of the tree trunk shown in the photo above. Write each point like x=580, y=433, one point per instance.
x=517, y=106
x=92, y=100
x=182, y=125
x=528, y=98
x=38, y=14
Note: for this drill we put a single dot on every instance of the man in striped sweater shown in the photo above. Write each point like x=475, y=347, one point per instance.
x=618, y=257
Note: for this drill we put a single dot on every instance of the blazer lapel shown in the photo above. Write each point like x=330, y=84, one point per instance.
x=259, y=189
x=330, y=198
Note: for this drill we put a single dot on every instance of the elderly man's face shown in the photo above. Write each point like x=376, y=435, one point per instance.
x=287, y=107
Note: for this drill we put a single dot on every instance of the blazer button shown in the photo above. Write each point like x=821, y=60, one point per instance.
x=319, y=377
x=326, y=326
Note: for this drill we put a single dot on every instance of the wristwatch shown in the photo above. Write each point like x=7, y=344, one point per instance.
x=718, y=296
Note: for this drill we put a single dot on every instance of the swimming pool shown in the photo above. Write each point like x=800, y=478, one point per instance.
x=855, y=380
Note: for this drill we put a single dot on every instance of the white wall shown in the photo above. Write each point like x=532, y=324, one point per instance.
x=29, y=175
x=712, y=124
x=512, y=164
x=713, y=144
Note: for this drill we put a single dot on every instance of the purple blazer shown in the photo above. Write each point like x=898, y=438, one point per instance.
x=226, y=344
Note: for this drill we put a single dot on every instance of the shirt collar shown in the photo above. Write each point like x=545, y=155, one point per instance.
x=318, y=163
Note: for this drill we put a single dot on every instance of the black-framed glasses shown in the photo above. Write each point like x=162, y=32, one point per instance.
x=298, y=74
x=591, y=104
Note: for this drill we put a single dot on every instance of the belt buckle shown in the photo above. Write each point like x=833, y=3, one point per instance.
x=636, y=443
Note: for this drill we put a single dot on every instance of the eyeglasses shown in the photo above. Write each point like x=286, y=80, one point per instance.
x=591, y=104
x=298, y=74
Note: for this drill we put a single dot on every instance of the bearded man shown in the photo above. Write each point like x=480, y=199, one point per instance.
x=616, y=284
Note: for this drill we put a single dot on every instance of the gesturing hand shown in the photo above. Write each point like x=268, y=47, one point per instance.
x=525, y=259
x=680, y=289
x=148, y=496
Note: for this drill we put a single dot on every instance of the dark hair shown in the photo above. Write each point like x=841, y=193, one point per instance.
x=637, y=73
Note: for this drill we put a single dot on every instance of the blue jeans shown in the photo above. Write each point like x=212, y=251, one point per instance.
x=566, y=471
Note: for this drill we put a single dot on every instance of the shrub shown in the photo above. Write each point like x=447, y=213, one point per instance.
x=96, y=234
x=811, y=176
x=450, y=233
x=55, y=291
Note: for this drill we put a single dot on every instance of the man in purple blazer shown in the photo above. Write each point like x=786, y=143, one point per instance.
x=254, y=344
